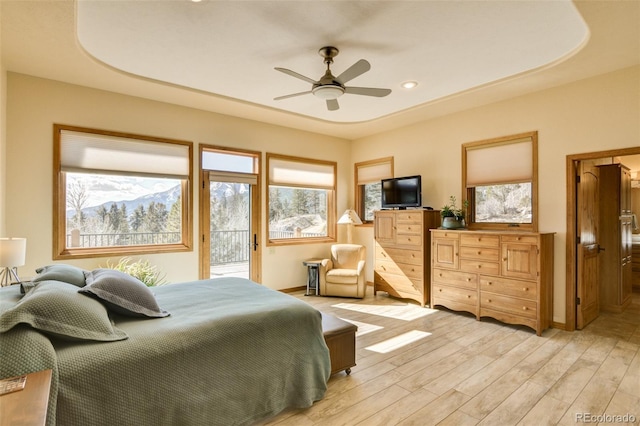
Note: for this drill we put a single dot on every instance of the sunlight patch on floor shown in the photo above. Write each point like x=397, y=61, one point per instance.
x=398, y=341
x=407, y=312
x=363, y=327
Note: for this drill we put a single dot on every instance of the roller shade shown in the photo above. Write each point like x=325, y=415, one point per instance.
x=103, y=154
x=298, y=173
x=228, y=162
x=371, y=172
x=498, y=164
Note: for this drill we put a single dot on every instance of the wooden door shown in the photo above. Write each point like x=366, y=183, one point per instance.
x=587, y=291
x=519, y=260
x=445, y=252
x=384, y=227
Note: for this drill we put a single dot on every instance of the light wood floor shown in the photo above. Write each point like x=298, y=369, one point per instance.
x=447, y=368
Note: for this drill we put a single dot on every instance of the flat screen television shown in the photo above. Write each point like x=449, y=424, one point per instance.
x=402, y=192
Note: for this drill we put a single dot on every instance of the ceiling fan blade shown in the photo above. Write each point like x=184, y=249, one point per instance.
x=354, y=70
x=332, y=105
x=296, y=75
x=292, y=95
x=367, y=91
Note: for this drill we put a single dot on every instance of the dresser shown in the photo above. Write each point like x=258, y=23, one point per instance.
x=402, y=252
x=503, y=275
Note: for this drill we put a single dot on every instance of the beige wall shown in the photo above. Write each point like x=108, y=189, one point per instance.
x=34, y=104
x=3, y=150
x=586, y=116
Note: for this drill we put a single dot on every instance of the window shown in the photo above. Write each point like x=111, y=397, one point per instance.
x=368, y=175
x=118, y=194
x=301, y=200
x=501, y=181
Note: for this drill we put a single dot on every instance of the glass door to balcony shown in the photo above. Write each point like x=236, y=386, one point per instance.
x=229, y=220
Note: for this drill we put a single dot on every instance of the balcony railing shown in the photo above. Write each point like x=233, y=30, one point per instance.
x=226, y=246
x=76, y=239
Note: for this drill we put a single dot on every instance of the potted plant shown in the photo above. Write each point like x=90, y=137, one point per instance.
x=452, y=216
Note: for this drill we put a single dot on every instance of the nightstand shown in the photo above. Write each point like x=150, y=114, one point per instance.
x=27, y=407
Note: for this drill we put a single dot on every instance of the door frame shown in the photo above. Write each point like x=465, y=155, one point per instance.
x=571, y=251
x=204, y=240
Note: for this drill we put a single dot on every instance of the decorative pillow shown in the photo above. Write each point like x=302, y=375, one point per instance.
x=122, y=293
x=61, y=272
x=55, y=308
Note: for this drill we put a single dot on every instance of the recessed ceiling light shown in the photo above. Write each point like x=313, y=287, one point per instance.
x=409, y=84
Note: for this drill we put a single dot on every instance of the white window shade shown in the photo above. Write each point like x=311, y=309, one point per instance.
x=373, y=172
x=286, y=172
x=103, y=154
x=228, y=162
x=247, y=178
x=498, y=164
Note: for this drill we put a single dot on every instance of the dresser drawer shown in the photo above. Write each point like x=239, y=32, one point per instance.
x=523, y=289
x=409, y=228
x=521, y=307
x=409, y=216
x=412, y=257
x=456, y=278
x=398, y=284
x=409, y=240
x=391, y=267
x=480, y=240
x=457, y=294
x=525, y=239
x=445, y=234
x=480, y=253
x=479, y=266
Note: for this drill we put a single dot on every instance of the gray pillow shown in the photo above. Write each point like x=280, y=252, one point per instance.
x=122, y=293
x=61, y=272
x=56, y=309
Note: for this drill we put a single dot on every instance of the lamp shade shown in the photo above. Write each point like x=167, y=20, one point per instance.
x=12, y=251
x=350, y=217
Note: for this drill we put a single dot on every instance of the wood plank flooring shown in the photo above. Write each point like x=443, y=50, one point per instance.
x=417, y=366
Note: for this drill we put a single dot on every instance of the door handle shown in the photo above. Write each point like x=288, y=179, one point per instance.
x=255, y=242
x=600, y=248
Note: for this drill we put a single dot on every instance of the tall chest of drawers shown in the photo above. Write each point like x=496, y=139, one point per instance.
x=402, y=252
x=506, y=276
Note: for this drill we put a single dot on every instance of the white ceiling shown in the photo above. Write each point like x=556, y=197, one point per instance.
x=219, y=55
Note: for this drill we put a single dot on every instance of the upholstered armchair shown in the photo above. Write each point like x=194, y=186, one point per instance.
x=343, y=274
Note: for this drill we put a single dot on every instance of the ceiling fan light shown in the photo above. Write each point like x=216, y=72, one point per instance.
x=328, y=92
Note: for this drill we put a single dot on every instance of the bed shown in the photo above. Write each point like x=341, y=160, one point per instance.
x=227, y=352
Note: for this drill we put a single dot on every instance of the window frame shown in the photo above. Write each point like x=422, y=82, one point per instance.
x=359, y=188
x=60, y=249
x=469, y=191
x=331, y=202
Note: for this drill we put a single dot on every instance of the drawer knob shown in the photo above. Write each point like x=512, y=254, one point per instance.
x=517, y=238
x=479, y=266
x=489, y=300
x=440, y=290
x=504, y=258
x=525, y=289
x=479, y=252
x=440, y=274
x=524, y=308
x=468, y=279
x=468, y=296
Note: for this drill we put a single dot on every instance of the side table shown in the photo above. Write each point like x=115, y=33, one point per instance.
x=313, y=275
x=27, y=406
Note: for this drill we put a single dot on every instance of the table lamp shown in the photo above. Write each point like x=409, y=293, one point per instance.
x=349, y=218
x=12, y=254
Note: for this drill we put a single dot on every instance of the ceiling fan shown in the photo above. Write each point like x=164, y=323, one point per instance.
x=331, y=88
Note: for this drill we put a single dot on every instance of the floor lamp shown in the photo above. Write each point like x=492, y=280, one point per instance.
x=349, y=218
x=12, y=254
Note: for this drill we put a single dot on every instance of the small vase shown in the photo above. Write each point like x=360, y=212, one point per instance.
x=453, y=222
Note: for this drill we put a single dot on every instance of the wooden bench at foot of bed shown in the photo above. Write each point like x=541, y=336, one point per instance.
x=340, y=337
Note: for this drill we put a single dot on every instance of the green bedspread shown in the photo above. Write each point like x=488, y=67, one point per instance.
x=232, y=352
